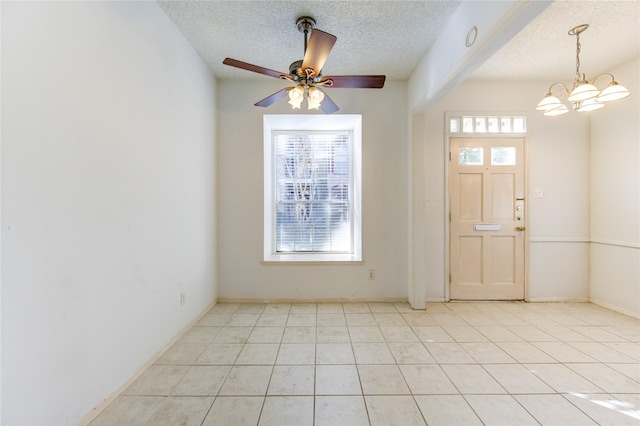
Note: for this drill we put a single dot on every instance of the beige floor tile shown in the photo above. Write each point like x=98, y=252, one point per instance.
x=287, y=411
x=181, y=411
x=272, y=320
x=304, y=308
x=606, y=378
x=531, y=333
x=330, y=308
x=334, y=353
x=553, y=410
x=214, y=319
x=266, y=335
x=233, y=410
x=296, y=354
x=498, y=333
x=331, y=320
x=525, y=352
x=333, y=335
x=373, y=353
x=605, y=409
x=250, y=308
x=601, y=352
x=202, y=381
x=366, y=334
x=358, y=320
x=292, y=380
x=382, y=307
x=464, y=333
x=277, y=308
x=472, y=379
x=431, y=333
x=301, y=320
x=247, y=381
x=517, y=379
x=400, y=333
x=341, y=411
x=382, y=380
x=449, y=353
x=224, y=308
x=389, y=319
x=157, y=380
x=337, y=380
x=233, y=335
x=201, y=335
x=418, y=319
x=562, y=379
x=243, y=320
x=446, y=410
x=487, y=353
x=299, y=335
x=356, y=308
x=500, y=410
x=411, y=353
x=220, y=354
x=182, y=354
x=258, y=354
x=393, y=410
x=562, y=352
x=127, y=410
x=427, y=380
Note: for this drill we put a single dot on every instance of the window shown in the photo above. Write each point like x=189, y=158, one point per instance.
x=479, y=124
x=312, y=189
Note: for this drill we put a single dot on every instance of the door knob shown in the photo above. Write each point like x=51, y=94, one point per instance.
x=520, y=228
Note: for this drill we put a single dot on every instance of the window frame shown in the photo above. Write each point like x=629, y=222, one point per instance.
x=277, y=123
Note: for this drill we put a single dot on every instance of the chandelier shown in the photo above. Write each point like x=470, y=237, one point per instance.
x=584, y=96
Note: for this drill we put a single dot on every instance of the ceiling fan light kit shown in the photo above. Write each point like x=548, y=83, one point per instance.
x=306, y=74
x=584, y=96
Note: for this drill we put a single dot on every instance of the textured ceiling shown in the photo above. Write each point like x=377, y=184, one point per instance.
x=544, y=51
x=391, y=37
x=374, y=37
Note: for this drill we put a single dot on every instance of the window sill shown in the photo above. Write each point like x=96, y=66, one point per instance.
x=312, y=259
x=311, y=262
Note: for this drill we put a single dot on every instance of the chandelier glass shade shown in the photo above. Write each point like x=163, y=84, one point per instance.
x=584, y=96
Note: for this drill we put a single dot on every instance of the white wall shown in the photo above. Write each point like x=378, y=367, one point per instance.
x=615, y=198
x=559, y=165
x=240, y=172
x=108, y=199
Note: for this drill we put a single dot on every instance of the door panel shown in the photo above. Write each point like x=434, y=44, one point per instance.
x=487, y=218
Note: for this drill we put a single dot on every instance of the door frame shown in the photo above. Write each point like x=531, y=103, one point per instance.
x=447, y=196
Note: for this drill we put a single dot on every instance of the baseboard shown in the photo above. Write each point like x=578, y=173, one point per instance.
x=89, y=417
x=615, y=308
x=329, y=300
x=558, y=299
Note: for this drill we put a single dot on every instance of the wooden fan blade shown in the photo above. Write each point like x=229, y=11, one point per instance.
x=269, y=100
x=327, y=105
x=356, y=81
x=253, y=68
x=318, y=49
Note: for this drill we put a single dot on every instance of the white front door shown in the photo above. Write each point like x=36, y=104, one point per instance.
x=487, y=228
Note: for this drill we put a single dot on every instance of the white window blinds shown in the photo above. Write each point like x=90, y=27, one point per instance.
x=313, y=190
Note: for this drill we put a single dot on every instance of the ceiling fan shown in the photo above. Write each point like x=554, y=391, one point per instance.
x=307, y=73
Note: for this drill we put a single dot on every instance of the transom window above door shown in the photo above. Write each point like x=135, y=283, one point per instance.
x=487, y=124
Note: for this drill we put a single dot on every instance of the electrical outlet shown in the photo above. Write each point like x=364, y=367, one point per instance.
x=372, y=274
x=183, y=298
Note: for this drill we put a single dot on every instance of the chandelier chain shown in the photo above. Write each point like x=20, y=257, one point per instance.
x=578, y=57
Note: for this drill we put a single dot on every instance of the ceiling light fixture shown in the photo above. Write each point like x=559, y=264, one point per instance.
x=584, y=96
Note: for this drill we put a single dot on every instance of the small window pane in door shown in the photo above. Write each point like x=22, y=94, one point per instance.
x=454, y=125
x=470, y=156
x=493, y=125
x=505, y=124
x=518, y=125
x=481, y=124
x=503, y=156
x=467, y=124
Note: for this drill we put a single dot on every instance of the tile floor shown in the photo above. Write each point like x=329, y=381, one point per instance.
x=384, y=364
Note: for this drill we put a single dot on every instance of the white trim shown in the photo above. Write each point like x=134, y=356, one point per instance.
x=559, y=240
x=627, y=244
